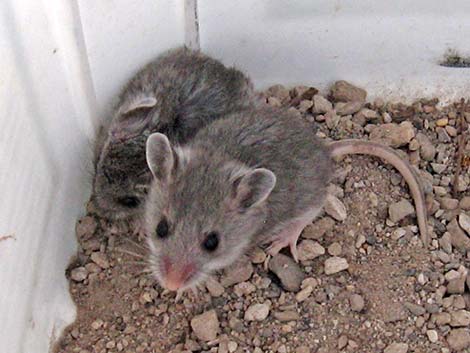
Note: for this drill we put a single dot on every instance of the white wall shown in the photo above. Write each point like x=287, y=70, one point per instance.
x=391, y=48
x=64, y=61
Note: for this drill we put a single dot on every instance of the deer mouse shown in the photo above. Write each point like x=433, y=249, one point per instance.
x=177, y=94
x=258, y=176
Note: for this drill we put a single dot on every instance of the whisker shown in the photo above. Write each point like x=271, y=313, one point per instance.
x=133, y=242
x=141, y=263
x=128, y=252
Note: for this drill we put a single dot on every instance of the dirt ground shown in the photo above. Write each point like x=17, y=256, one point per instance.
x=385, y=293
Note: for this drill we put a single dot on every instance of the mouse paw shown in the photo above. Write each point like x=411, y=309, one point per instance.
x=279, y=244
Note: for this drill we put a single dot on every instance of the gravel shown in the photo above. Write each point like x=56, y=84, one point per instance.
x=364, y=282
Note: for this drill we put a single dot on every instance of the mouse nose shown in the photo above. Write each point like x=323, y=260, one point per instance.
x=177, y=276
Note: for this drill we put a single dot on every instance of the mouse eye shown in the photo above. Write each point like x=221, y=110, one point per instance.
x=129, y=201
x=211, y=242
x=162, y=228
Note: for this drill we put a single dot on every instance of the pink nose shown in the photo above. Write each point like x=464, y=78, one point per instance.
x=177, y=275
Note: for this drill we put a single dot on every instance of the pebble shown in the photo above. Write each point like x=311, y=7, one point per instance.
x=459, y=339
x=360, y=240
x=257, y=256
x=399, y=210
x=432, y=336
x=206, y=326
x=244, y=288
x=456, y=286
x=415, y=309
x=303, y=294
x=335, y=208
x=464, y=221
x=396, y=312
x=79, y=274
x=318, y=229
x=309, y=250
x=393, y=135
x=279, y=91
x=427, y=149
x=288, y=315
x=335, y=264
x=214, y=287
x=356, y=302
x=85, y=227
x=100, y=259
x=442, y=135
x=97, y=324
x=343, y=91
x=458, y=237
x=288, y=271
x=448, y=203
x=335, y=249
x=321, y=105
x=257, y=312
x=303, y=349
x=459, y=318
x=442, y=122
x=465, y=203
x=240, y=272
x=348, y=108
x=397, y=348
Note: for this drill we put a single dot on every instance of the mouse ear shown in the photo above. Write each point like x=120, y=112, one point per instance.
x=160, y=158
x=254, y=187
x=128, y=124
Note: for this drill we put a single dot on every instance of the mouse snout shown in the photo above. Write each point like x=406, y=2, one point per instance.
x=177, y=275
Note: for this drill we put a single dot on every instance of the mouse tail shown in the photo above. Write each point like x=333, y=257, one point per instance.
x=354, y=146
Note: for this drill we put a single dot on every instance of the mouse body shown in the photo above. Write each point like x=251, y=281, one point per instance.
x=258, y=176
x=176, y=94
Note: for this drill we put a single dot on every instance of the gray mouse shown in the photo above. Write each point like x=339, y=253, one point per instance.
x=176, y=94
x=258, y=176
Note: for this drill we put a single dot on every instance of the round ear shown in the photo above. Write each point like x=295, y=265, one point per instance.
x=128, y=124
x=254, y=187
x=160, y=157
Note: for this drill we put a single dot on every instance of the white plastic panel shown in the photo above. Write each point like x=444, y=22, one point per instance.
x=391, y=48
x=123, y=35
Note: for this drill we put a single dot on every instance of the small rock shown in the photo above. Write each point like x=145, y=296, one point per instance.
x=85, y=227
x=79, y=274
x=214, y=287
x=438, y=167
x=442, y=318
x=303, y=294
x=335, y=264
x=342, y=341
x=280, y=92
x=206, y=326
x=464, y=221
x=432, y=336
x=348, y=108
x=100, y=259
x=309, y=250
x=442, y=122
x=356, y=302
x=369, y=114
x=244, y=288
x=458, y=237
x=335, y=249
x=288, y=271
x=257, y=312
x=97, y=324
x=335, y=208
x=288, y=315
x=257, y=255
x=321, y=105
x=415, y=309
x=360, y=240
x=448, y=203
x=456, y=285
x=305, y=105
x=459, y=339
x=445, y=242
x=397, y=348
x=392, y=134
x=318, y=229
x=427, y=151
x=396, y=312
x=240, y=272
x=303, y=349
x=465, y=203
x=459, y=318
x=399, y=210
x=343, y=91
x=442, y=135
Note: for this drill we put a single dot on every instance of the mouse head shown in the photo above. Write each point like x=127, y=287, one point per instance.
x=202, y=211
x=122, y=179
x=122, y=176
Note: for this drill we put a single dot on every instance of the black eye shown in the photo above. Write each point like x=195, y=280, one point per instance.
x=211, y=242
x=162, y=228
x=129, y=201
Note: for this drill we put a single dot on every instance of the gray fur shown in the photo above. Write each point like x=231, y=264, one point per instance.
x=200, y=195
x=176, y=94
